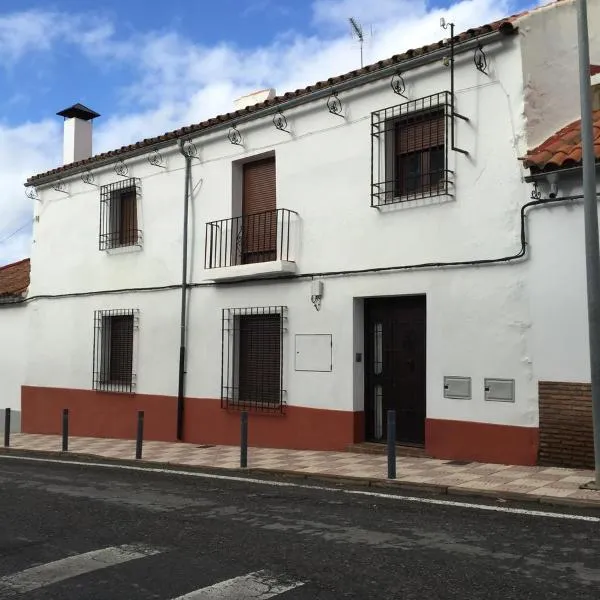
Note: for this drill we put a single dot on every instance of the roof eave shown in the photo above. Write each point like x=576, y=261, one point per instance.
x=414, y=59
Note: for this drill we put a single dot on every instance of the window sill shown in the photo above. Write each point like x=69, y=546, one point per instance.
x=124, y=249
x=273, y=268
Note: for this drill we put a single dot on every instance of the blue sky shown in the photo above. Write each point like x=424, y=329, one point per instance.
x=148, y=66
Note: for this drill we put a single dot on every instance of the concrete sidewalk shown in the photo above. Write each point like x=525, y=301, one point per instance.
x=549, y=485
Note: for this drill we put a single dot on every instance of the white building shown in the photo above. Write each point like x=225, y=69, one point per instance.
x=353, y=247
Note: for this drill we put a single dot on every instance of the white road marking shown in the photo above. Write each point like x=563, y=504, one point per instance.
x=79, y=564
x=415, y=499
x=254, y=585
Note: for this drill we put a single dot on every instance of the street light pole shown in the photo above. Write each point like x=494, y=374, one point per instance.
x=592, y=248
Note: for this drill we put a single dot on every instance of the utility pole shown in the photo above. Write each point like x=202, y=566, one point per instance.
x=592, y=248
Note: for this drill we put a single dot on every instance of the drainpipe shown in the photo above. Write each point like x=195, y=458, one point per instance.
x=590, y=217
x=184, y=286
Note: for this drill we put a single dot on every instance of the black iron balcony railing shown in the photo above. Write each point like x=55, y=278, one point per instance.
x=256, y=238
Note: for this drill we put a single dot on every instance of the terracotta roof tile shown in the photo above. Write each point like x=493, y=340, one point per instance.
x=562, y=149
x=14, y=278
x=504, y=26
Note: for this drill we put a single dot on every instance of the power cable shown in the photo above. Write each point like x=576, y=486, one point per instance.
x=325, y=274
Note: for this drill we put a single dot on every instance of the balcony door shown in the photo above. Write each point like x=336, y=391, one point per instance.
x=258, y=232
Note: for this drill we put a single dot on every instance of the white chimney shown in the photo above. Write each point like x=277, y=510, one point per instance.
x=254, y=98
x=77, y=136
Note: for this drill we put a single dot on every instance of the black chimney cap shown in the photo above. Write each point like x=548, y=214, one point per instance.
x=79, y=111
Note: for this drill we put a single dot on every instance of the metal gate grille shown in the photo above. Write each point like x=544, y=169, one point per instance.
x=114, y=350
x=409, y=150
x=118, y=214
x=252, y=358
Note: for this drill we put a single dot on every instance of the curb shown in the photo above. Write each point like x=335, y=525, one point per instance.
x=339, y=480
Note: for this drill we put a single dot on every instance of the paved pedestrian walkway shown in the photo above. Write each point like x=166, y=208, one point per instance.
x=503, y=481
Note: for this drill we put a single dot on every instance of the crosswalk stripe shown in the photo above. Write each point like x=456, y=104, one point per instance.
x=254, y=585
x=65, y=568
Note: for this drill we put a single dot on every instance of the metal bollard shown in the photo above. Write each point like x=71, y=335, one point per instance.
x=244, y=441
x=6, y=427
x=391, y=443
x=140, y=435
x=65, y=430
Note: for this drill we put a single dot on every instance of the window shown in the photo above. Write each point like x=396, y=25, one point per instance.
x=252, y=352
x=118, y=214
x=114, y=342
x=409, y=150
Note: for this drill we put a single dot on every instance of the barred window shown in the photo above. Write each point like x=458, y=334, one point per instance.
x=410, y=150
x=252, y=357
x=114, y=349
x=118, y=214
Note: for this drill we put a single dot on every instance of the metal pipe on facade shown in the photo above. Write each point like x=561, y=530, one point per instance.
x=590, y=212
x=184, y=287
x=324, y=92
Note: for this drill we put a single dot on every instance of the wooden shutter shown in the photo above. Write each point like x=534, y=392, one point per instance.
x=259, y=204
x=420, y=133
x=128, y=218
x=260, y=359
x=121, y=349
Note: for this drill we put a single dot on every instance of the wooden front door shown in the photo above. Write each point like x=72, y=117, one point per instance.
x=259, y=212
x=395, y=375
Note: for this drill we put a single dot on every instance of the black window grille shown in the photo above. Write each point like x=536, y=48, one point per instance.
x=252, y=358
x=409, y=150
x=114, y=350
x=119, y=224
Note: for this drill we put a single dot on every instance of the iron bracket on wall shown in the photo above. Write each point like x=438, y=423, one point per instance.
x=235, y=137
x=536, y=194
x=480, y=60
x=88, y=177
x=450, y=62
x=190, y=149
x=156, y=160
x=32, y=193
x=334, y=105
x=121, y=169
x=60, y=186
x=280, y=122
x=398, y=84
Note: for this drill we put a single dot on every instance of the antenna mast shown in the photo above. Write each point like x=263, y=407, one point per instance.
x=358, y=32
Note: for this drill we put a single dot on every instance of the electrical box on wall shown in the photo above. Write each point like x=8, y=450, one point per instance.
x=499, y=390
x=313, y=352
x=457, y=387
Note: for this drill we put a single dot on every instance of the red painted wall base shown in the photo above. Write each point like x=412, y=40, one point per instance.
x=482, y=442
x=102, y=414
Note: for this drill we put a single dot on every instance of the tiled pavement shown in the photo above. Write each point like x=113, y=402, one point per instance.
x=535, y=482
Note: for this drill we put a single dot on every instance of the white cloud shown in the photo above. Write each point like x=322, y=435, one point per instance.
x=178, y=81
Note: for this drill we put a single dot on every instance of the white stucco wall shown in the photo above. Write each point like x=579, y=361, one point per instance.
x=550, y=66
x=13, y=360
x=478, y=318
x=558, y=290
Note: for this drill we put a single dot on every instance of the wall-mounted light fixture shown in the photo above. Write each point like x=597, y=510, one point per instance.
x=316, y=293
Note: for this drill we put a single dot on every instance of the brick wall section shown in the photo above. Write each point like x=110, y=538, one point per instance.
x=566, y=435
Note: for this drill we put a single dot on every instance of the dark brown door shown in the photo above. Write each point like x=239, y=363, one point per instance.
x=259, y=216
x=395, y=330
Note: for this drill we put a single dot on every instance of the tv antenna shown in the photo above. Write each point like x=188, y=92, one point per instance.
x=357, y=30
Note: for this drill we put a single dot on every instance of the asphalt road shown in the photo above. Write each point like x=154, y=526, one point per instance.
x=84, y=532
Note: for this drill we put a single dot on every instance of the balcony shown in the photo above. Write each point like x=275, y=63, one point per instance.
x=256, y=245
